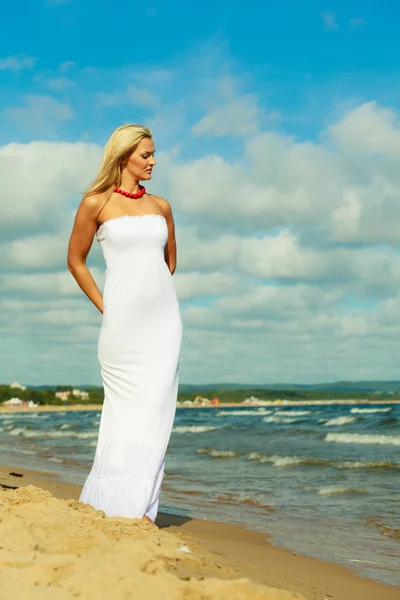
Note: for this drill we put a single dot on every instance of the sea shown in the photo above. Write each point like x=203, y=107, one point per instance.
x=323, y=479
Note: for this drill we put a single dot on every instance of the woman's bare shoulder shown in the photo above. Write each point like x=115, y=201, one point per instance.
x=163, y=204
x=92, y=203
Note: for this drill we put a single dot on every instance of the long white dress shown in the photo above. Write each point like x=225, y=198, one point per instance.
x=138, y=349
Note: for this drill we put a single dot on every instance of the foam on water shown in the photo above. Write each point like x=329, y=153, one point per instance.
x=256, y=500
x=195, y=428
x=292, y=461
x=360, y=438
x=294, y=413
x=33, y=433
x=340, y=421
x=371, y=410
x=218, y=453
x=237, y=413
x=275, y=419
x=281, y=461
x=369, y=464
x=337, y=489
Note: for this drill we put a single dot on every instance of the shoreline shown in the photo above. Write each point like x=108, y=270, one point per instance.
x=222, y=551
x=82, y=407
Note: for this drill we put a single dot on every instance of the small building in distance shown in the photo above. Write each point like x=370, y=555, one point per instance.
x=252, y=400
x=200, y=400
x=17, y=385
x=64, y=395
x=13, y=402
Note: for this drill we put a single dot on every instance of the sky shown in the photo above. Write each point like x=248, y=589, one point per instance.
x=277, y=133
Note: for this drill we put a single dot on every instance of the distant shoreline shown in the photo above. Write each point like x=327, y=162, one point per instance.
x=81, y=407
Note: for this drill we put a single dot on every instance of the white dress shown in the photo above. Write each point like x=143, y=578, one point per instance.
x=138, y=348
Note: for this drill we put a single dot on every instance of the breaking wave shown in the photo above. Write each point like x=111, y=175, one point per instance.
x=228, y=413
x=294, y=413
x=195, y=428
x=371, y=410
x=218, y=453
x=361, y=438
x=340, y=421
x=33, y=433
x=275, y=419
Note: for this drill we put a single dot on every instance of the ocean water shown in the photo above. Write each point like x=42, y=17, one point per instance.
x=324, y=480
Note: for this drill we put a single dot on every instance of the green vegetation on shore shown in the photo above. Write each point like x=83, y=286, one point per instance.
x=95, y=395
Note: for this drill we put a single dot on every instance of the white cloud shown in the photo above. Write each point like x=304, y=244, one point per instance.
x=66, y=66
x=194, y=285
x=279, y=257
x=130, y=95
x=39, y=180
x=368, y=129
x=61, y=84
x=18, y=62
x=205, y=253
x=57, y=284
x=40, y=114
x=356, y=22
x=236, y=118
x=288, y=262
x=330, y=21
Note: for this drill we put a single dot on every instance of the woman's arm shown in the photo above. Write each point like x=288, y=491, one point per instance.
x=83, y=231
x=170, y=246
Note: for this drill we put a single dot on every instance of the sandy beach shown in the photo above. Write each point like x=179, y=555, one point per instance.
x=54, y=547
x=77, y=407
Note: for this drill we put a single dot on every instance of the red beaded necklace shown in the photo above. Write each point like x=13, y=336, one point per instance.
x=139, y=194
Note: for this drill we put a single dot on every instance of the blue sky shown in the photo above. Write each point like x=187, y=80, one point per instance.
x=277, y=138
x=301, y=58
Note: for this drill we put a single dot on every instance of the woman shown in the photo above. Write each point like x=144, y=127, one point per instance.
x=140, y=338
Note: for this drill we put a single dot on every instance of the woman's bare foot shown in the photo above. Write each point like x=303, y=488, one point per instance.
x=147, y=519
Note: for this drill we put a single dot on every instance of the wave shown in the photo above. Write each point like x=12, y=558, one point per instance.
x=243, y=498
x=218, y=453
x=371, y=410
x=283, y=461
x=195, y=428
x=295, y=413
x=228, y=413
x=360, y=438
x=331, y=490
x=275, y=419
x=369, y=464
x=32, y=433
x=386, y=530
x=340, y=420
x=16, y=430
x=291, y=461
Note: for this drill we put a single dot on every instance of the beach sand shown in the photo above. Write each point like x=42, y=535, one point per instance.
x=54, y=547
x=221, y=405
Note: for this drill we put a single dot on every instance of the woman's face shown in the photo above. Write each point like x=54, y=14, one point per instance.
x=141, y=162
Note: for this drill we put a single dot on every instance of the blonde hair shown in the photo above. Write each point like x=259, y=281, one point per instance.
x=122, y=142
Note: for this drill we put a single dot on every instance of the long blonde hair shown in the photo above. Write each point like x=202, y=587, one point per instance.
x=122, y=142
